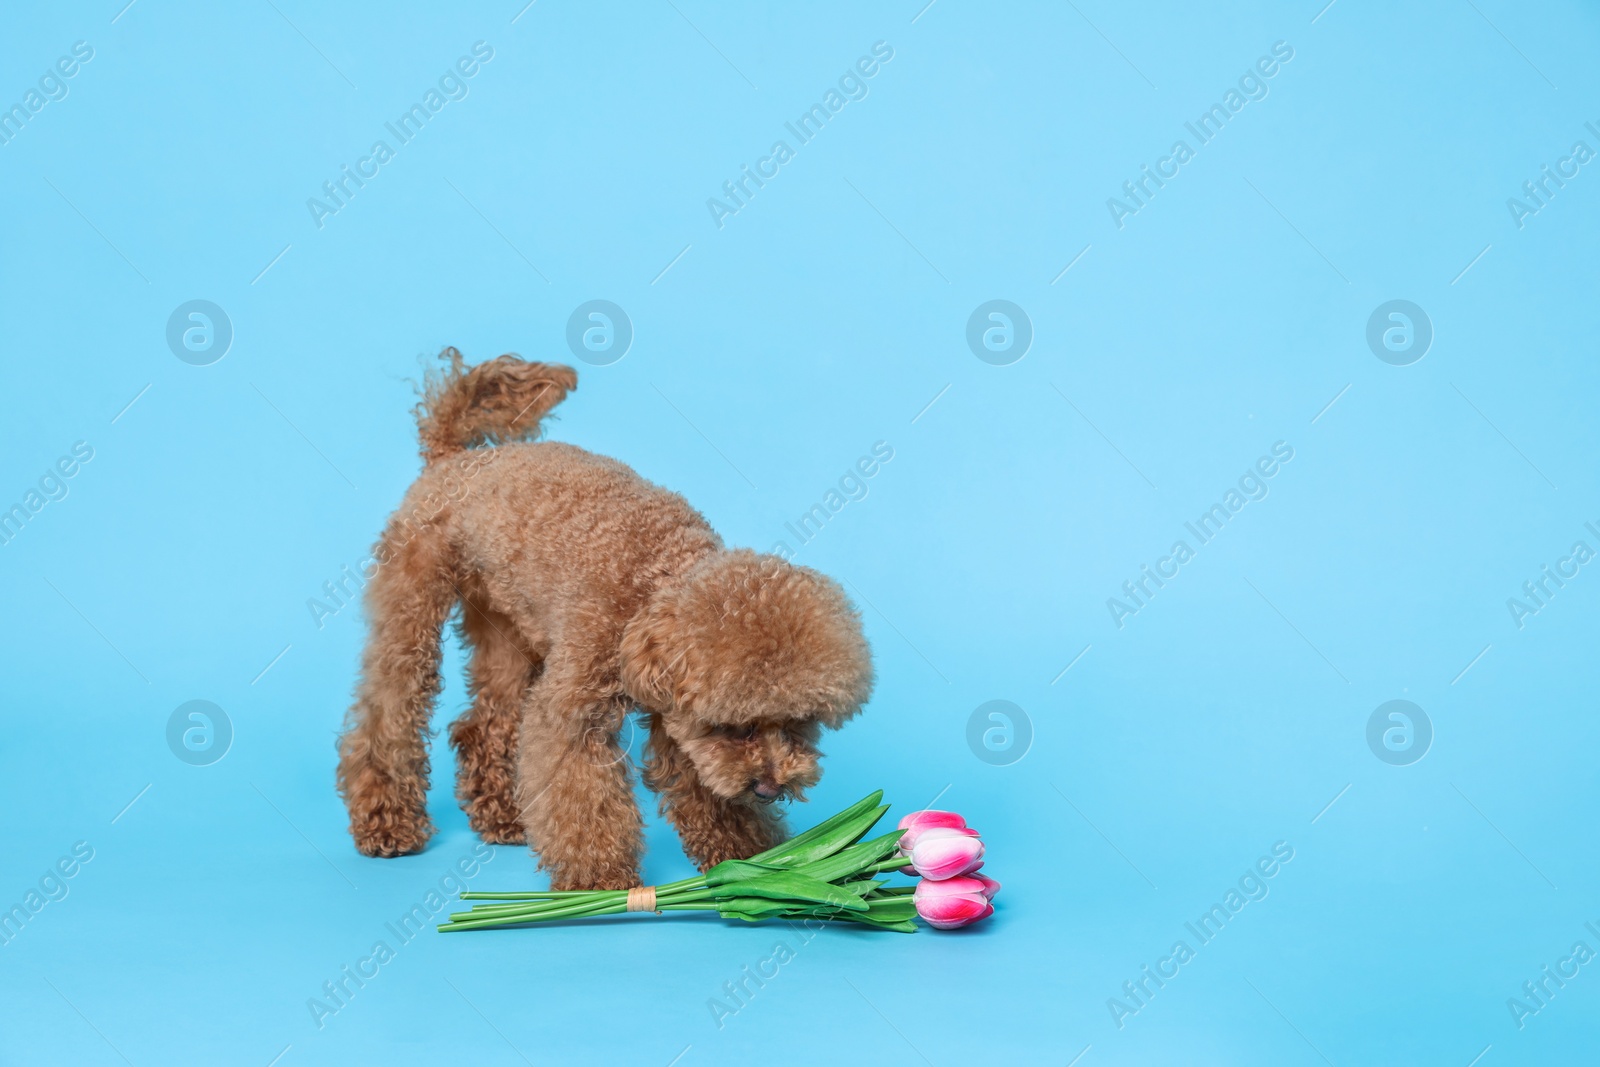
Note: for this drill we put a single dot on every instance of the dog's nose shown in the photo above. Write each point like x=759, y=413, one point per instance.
x=767, y=789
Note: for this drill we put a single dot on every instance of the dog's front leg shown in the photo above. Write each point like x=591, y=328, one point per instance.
x=575, y=788
x=712, y=828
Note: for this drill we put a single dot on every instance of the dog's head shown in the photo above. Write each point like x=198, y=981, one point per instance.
x=745, y=659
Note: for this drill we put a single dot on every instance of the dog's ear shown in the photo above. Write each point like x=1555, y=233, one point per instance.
x=652, y=662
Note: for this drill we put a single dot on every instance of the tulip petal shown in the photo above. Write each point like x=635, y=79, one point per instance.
x=932, y=817
x=962, y=884
x=908, y=840
x=948, y=911
x=941, y=853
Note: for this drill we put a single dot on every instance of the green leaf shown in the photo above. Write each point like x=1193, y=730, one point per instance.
x=749, y=909
x=753, y=909
x=828, y=836
x=730, y=871
x=905, y=926
x=795, y=888
x=852, y=860
x=894, y=909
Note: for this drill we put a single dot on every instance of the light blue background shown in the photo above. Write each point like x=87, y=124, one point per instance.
x=1224, y=316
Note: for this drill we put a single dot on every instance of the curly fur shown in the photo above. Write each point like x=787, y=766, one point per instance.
x=584, y=592
x=503, y=399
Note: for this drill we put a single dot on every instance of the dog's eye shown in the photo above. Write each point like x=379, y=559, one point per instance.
x=749, y=733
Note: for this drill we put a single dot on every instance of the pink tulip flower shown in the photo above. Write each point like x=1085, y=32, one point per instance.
x=908, y=840
x=922, y=820
x=955, y=902
x=919, y=822
x=942, y=852
x=990, y=886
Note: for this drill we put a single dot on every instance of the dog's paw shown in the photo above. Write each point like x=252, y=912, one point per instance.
x=735, y=841
x=501, y=835
x=599, y=878
x=391, y=835
x=710, y=860
x=495, y=823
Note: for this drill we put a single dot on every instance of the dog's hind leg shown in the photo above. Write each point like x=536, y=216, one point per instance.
x=574, y=780
x=383, y=753
x=503, y=666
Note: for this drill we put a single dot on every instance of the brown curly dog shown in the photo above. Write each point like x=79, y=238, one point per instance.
x=585, y=592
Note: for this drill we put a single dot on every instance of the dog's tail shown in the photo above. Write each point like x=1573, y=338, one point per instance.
x=503, y=399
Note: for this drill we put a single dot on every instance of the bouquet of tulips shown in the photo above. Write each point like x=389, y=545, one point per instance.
x=829, y=872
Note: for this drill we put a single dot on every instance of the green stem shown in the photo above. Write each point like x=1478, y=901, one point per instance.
x=575, y=911
x=697, y=882
x=604, y=899
x=602, y=903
